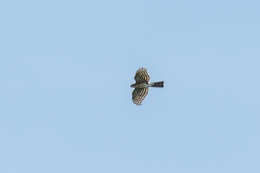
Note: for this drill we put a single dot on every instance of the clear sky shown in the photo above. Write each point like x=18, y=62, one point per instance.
x=65, y=72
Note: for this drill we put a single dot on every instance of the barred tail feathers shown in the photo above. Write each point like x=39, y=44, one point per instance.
x=157, y=84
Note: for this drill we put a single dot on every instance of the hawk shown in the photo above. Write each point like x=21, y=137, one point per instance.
x=141, y=86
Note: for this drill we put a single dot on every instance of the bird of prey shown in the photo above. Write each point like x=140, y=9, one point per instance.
x=141, y=86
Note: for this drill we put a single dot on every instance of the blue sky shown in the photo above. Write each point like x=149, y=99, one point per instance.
x=65, y=72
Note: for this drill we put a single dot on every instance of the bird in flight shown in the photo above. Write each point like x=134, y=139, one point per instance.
x=141, y=86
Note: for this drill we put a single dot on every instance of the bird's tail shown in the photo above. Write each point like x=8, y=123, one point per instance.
x=157, y=84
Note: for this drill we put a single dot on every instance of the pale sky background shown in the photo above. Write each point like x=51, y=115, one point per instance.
x=65, y=72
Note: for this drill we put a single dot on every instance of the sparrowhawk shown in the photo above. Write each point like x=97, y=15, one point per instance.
x=141, y=86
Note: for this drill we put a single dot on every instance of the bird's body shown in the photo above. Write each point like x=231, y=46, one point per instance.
x=141, y=86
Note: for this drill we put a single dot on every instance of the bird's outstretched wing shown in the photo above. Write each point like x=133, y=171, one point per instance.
x=138, y=95
x=141, y=75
